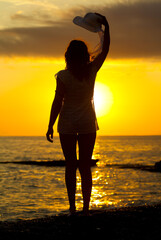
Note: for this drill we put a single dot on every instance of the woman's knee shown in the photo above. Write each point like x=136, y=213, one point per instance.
x=84, y=168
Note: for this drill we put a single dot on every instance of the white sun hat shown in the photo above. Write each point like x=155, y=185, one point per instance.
x=90, y=21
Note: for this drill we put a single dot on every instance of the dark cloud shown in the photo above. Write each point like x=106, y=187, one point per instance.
x=39, y=41
x=135, y=29
x=135, y=32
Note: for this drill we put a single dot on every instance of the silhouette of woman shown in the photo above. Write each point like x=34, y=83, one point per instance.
x=73, y=103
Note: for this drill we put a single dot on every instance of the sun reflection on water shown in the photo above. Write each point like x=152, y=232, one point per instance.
x=101, y=196
x=108, y=188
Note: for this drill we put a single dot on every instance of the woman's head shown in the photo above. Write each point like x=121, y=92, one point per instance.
x=76, y=56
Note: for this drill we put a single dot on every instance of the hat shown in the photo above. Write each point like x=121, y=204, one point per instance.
x=90, y=21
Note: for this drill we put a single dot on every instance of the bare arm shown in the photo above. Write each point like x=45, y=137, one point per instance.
x=55, y=109
x=98, y=61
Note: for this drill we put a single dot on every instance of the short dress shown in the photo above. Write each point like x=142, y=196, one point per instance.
x=77, y=114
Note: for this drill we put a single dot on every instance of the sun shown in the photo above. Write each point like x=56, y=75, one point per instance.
x=103, y=99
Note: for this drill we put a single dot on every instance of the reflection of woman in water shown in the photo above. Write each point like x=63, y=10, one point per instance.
x=77, y=119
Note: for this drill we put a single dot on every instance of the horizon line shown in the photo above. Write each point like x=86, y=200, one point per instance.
x=130, y=135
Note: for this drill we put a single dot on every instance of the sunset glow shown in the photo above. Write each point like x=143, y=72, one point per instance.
x=33, y=38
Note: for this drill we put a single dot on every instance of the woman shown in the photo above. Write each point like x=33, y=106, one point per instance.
x=77, y=119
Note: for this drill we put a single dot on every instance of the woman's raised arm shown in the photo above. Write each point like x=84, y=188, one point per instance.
x=98, y=61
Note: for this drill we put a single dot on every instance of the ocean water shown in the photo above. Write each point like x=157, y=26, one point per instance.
x=31, y=191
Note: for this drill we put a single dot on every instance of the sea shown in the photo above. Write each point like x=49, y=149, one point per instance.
x=120, y=179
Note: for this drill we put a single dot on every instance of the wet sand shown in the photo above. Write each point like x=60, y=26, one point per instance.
x=121, y=224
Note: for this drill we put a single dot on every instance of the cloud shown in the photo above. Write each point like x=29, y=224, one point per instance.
x=35, y=18
x=135, y=32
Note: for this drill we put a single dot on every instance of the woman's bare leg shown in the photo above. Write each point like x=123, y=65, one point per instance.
x=86, y=145
x=68, y=143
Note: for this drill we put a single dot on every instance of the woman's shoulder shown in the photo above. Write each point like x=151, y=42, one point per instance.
x=61, y=73
x=92, y=65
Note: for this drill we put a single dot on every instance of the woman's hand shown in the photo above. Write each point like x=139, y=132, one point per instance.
x=49, y=135
x=103, y=20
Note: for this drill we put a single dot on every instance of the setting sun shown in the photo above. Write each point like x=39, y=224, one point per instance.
x=103, y=99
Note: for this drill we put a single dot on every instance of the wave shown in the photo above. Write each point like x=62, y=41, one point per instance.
x=151, y=168
x=54, y=163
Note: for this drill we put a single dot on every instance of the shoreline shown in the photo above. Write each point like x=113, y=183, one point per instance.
x=130, y=223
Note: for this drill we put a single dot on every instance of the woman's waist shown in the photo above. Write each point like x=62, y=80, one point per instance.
x=77, y=100
x=77, y=107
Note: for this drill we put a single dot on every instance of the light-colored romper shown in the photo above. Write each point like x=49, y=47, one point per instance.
x=77, y=114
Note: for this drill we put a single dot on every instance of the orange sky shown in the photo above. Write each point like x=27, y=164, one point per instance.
x=130, y=81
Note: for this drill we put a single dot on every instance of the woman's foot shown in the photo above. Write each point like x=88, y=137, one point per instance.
x=72, y=211
x=86, y=212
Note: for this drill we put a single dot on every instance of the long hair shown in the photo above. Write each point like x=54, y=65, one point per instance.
x=77, y=58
